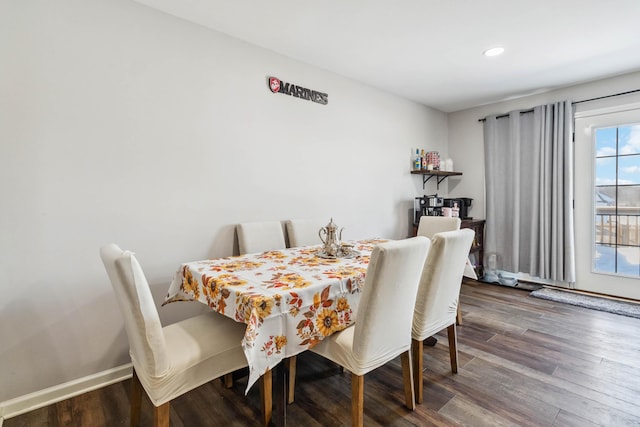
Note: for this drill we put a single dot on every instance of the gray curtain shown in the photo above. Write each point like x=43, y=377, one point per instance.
x=529, y=190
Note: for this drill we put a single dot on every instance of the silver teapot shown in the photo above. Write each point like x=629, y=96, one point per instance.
x=332, y=239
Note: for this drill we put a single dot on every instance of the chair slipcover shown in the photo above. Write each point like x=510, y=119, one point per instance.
x=175, y=359
x=304, y=232
x=382, y=328
x=256, y=237
x=439, y=289
x=430, y=225
x=437, y=301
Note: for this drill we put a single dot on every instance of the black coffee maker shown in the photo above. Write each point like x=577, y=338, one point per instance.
x=427, y=205
x=464, y=204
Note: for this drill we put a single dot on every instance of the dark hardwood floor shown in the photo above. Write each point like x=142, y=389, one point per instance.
x=524, y=361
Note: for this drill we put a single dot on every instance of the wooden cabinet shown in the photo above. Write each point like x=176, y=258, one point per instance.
x=476, y=254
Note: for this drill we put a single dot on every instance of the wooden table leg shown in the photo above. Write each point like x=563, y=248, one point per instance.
x=266, y=397
x=279, y=417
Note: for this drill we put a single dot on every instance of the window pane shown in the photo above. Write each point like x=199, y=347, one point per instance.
x=629, y=260
x=605, y=229
x=604, y=259
x=606, y=171
x=626, y=228
x=629, y=140
x=606, y=142
x=629, y=197
x=628, y=169
x=605, y=195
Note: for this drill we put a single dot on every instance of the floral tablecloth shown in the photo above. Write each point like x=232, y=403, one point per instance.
x=290, y=299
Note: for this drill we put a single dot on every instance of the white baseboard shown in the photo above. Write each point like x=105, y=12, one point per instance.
x=48, y=396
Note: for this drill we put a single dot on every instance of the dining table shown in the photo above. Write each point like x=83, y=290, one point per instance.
x=290, y=299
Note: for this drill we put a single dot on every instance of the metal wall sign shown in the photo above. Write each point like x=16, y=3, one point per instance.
x=278, y=86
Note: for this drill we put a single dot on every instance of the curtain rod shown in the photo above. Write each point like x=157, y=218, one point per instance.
x=573, y=103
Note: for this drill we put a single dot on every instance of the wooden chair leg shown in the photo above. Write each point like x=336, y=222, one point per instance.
x=459, y=315
x=227, y=380
x=136, y=399
x=453, y=347
x=416, y=348
x=357, y=400
x=291, y=365
x=266, y=395
x=161, y=415
x=407, y=379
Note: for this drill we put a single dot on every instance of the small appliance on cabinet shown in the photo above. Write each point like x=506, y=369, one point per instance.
x=463, y=204
x=427, y=205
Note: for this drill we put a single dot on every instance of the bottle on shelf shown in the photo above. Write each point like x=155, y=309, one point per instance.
x=449, y=165
x=417, y=162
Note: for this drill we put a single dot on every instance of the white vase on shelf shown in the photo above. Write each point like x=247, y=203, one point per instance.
x=448, y=165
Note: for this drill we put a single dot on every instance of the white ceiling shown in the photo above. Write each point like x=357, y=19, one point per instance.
x=430, y=51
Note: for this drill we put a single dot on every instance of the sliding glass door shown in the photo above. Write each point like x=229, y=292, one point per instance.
x=607, y=214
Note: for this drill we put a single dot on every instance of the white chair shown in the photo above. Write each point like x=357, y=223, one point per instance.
x=172, y=360
x=256, y=237
x=382, y=329
x=304, y=232
x=301, y=232
x=430, y=225
x=438, y=293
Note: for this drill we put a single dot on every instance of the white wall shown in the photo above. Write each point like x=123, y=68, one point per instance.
x=466, y=139
x=121, y=124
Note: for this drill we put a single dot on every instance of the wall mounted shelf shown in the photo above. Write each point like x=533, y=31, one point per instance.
x=439, y=176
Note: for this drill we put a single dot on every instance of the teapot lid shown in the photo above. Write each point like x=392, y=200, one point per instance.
x=332, y=225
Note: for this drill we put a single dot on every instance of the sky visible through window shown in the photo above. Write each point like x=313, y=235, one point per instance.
x=617, y=200
x=607, y=140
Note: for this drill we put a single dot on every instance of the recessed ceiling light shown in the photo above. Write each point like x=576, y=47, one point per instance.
x=494, y=51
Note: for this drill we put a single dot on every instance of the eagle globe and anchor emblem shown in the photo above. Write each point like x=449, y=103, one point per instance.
x=274, y=84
